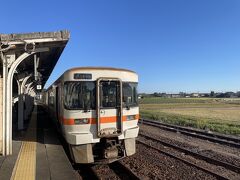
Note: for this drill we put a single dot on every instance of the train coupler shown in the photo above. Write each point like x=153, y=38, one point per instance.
x=112, y=149
x=111, y=153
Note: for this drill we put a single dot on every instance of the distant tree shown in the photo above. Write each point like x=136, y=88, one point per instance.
x=157, y=94
x=238, y=94
x=220, y=95
x=163, y=94
x=212, y=94
x=182, y=94
x=206, y=95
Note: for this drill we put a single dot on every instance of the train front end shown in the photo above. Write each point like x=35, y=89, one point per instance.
x=101, y=104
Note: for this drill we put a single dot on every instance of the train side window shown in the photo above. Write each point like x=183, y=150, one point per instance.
x=130, y=94
x=80, y=95
x=51, y=99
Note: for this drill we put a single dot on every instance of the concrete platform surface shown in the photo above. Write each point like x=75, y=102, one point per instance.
x=38, y=154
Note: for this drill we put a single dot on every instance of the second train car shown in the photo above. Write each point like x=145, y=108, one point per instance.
x=96, y=110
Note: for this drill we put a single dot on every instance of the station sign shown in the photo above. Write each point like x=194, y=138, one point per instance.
x=39, y=87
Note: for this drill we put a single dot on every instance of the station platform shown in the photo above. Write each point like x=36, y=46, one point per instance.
x=37, y=153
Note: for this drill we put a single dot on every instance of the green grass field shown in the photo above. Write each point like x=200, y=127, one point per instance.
x=220, y=115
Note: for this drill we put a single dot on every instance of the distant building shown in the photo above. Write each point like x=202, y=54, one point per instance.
x=231, y=95
x=195, y=95
x=204, y=94
x=175, y=95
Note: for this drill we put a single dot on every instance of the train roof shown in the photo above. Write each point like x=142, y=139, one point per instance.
x=99, y=68
x=92, y=68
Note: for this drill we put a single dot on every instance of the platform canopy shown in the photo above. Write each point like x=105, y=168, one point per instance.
x=50, y=44
x=27, y=61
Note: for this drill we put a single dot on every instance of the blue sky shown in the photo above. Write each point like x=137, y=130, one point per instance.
x=174, y=45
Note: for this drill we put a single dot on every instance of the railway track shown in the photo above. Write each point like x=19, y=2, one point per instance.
x=116, y=170
x=165, y=152
x=213, y=137
x=123, y=171
x=195, y=154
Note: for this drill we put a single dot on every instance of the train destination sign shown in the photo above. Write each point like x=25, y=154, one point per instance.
x=82, y=76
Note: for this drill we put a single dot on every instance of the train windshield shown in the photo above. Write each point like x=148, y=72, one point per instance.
x=130, y=94
x=109, y=94
x=80, y=95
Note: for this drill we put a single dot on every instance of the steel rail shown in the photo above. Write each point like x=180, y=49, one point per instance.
x=120, y=166
x=233, y=142
x=117, y=169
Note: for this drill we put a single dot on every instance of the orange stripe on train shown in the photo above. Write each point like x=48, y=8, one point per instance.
x=111, y=119
x=68, y=121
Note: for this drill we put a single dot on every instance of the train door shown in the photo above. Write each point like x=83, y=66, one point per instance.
x=59, y=113
x=109, y=107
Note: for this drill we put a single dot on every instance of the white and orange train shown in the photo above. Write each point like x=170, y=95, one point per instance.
x=97, y=112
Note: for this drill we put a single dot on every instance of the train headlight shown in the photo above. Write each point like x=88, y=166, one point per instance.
x=131, y=117
x=81, y=121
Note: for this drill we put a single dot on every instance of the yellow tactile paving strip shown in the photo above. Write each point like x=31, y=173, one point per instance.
x=25, y=167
